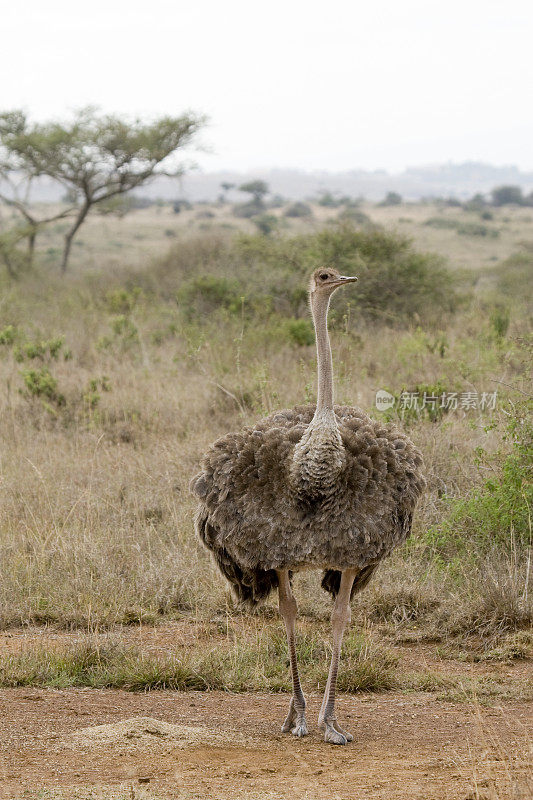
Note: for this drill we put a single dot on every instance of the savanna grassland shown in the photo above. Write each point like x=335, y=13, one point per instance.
x=171, y=329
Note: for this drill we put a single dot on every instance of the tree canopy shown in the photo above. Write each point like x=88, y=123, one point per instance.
x=95, y=156
x=257, y=188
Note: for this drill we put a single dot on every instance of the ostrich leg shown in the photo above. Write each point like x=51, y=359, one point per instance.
x=295, y=720
x=340, y=617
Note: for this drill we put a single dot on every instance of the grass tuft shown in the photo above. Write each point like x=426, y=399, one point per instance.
x=259, y=663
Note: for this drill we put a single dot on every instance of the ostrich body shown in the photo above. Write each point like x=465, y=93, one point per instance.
x=311, y=487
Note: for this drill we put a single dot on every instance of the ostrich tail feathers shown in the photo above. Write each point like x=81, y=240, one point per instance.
x=250, y=586
x=331, y=580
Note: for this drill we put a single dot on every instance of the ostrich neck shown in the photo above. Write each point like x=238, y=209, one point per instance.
x=319, y=455
x=324, y=405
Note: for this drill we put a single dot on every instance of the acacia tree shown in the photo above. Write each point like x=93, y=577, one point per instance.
x=15, y=192
x=96, y=157
x=256, y=188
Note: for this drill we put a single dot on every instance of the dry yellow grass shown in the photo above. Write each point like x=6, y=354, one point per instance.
x=95, y=515
x=108, y=242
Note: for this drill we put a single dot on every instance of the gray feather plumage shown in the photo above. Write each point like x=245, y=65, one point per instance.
x=254, y=522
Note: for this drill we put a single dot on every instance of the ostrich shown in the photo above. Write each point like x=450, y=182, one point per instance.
x=311, y=487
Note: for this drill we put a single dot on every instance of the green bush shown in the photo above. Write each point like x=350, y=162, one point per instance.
x=507, y=195
x=498, y=512
x=300, y=332
x=477, y=229
x=8, y=335
x=123, y=301
x=91, y=395
x=391, y=199
x=207, y=293
x=354, y=215
x=514, y=278
x=499, y=322
x=442, y=222
x=249, y=209
x=124, y=328
x=266, y=223
x=41, y=350
x=327, y=200
x=298, y=210
x=41, y=383
x=397, y=283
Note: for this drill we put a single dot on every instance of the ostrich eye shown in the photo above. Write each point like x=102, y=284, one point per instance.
x=324, y=276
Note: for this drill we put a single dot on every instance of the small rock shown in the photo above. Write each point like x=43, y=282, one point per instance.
x=144, y=779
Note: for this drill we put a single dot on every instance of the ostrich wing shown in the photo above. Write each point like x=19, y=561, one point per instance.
x=256, y=521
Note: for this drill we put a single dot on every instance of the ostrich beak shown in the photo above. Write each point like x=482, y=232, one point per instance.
x=342, y=279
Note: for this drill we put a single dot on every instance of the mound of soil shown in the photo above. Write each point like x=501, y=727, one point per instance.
x=142, y=732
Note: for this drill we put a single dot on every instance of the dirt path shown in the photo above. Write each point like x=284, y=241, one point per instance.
x=408, y=747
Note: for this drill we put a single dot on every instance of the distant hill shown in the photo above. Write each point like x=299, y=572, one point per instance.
x=441, y=180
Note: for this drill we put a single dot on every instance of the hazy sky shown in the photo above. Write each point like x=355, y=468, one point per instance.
x=316, y=85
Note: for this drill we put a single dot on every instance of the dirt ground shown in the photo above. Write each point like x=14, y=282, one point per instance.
x=159, y=744
x=408, y=747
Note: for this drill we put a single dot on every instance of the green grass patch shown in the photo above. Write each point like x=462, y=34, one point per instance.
x=260, y=664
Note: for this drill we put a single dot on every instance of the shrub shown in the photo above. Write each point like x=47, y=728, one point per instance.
x=266, y=223
x=507, y=195
x=206, y=293
x=328, y=200
x=123, y=301
x=180, y=205
x=298, y=209
x=276, y=201
x=8, y=335
x=442, y=222
x=391, y=199
x=250, y=209
x=33, y=350
x=476, y=203
x=91, y=395
x=499, y=511
x=476, y=229
x=353, y=215
x=499, y=321
x=514, y=277
x=396, y=281
x=300, y=332
x=41, y=383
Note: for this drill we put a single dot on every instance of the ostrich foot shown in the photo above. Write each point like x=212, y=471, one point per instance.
x=295, y=722
x=333, y=733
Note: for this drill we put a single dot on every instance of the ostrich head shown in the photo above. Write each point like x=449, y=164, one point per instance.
x=325, y=280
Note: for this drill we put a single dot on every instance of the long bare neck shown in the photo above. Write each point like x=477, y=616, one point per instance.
x=319, y=455
x=319, y=309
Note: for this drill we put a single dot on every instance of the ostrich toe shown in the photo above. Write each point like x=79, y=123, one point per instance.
x=333, y=733
x=295, y=722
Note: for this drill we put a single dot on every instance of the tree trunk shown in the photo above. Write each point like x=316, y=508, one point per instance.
x=9, y=266
x=71, y=234
x=31, y=245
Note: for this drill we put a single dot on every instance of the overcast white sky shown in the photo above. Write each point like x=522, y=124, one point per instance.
x=315, y=85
